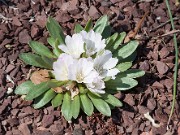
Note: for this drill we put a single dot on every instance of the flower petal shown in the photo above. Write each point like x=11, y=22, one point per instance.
x=113, y=72
x=97, y=85
x=60, y=67
x=111, y=63
x=74, y=45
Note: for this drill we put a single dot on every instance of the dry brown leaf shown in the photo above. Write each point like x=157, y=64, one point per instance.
x=74, y=92
x=58, y=89
x=40, y=76
x=134, y=32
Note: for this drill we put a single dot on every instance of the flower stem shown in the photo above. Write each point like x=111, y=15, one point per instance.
x=176, y=64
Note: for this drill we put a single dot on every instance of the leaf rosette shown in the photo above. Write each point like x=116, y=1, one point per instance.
x=82, y=71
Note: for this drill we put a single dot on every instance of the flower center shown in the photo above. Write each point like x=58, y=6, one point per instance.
x=79, y=77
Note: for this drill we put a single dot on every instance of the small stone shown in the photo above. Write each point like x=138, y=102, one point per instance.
x=63, y=17
x=14, y=112
x=2, y=92
x=47, y=120
x=162, y=67
x=158, y=85
x=13, y=122
x=164, y=52
x=93, y=12
x=168, y=84
x=144, y=66
x=25, y=129
x=142, y=109
x=3, y=107
x=78, y=131
x=151, y=104
x=41, y=20
x=16, y=21
x=24, y=36
x=34, y=31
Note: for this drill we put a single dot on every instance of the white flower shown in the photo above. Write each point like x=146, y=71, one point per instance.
x=60, y=67
x=96, y=86
x=74, y=45
x=94, y=42
x=82, y=71
x=104, y=64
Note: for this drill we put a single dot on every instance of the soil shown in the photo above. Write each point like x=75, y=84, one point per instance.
x=24, y=20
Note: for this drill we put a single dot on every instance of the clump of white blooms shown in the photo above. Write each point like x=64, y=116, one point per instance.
x=85, y=61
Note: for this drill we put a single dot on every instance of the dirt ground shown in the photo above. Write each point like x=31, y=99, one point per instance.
x=24, y=20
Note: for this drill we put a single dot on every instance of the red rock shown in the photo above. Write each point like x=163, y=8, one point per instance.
x=158, y=85
x=144, y=65
x=25, y=129
x=151, y=104
x=164, y=52
x=16, y=21
x=71, y=7
x=24, y=36
x=143, y=109
x=14, y=112
x=4, y=105
x=162, y=67
x=178, y=131
x=9, y=68
x=129, y=100
x=63, y=17
x=1, y=35
x=34, y=31
x=115, y=1
x=2, y=92
x=13, y=122
x=41, y=20
x=6, y=41
x=93, y=12
x=47, y=120
x=168, y=83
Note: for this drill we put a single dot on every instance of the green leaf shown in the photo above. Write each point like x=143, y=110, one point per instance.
x=66, y=107
x=130, y=58
x=101, y=24
x=24, y=88
x=132, y=73
x=48, y=61
x=54, y=83
x=118, y=41
x=100, y=104
x=78, y=28
x=34, y=60
x=124, y=66
x=127, y=49
x=37, y=90
x=41, y=49
x=51, y=41
x=107, y=32
x=46, y=98
x=54, y=43
x=55, y=30
x=82, y=89
x=89, y=25
x=111, y=40
x=86, y=104
x=121, y=83
x=57, y=100
x=112, y=100
x=75, y=106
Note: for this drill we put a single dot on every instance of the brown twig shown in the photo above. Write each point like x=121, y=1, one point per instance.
x=134, y=32
x=168, y=33
x=161, y=25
